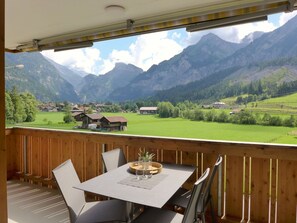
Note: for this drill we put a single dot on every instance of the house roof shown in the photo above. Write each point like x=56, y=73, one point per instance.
x=116, y=119
x=39, y=25
x=94, y=116
x=76, y=113
x=148, y=108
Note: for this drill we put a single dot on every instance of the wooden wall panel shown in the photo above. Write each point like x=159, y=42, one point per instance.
x=34, y=151
x=287, y=192
x=260, y=190
x=92, y=151
x=234, y=187
x=54, y=153
x=45, y=157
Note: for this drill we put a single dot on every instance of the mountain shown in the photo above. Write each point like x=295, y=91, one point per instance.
x=79, y=72
x=251, y=37
x=71, y=76
x=39, y=77
x=271, y=58
x=188, y=66
x=98, y=88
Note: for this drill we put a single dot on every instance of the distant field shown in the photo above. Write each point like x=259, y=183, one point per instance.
x=182, y=128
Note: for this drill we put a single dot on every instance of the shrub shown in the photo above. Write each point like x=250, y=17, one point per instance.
x=222, y=117
x=198, y=115
x=290, y=122
x=275, y=121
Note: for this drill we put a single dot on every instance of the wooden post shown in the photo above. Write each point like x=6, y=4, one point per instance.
x=3, y=167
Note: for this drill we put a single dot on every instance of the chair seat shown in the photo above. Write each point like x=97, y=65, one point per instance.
x=155, y=215
x=103, y=211
x=181, y=198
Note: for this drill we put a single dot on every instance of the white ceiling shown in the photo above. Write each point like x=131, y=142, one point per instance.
x=58, y=22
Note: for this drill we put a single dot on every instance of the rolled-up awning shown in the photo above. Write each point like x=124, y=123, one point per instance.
x=33, y=25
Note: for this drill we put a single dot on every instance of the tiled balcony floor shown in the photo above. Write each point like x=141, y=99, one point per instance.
x=29, y=203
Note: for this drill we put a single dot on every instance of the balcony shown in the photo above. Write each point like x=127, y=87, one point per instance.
x=256, y=183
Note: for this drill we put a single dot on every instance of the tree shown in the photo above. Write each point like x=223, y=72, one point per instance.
x=290, y=122
x=176, y=112
x=222, y=117
x=19, y=113
x=30, y=105
x=246, y=117
x=68, y=116
x=198, y=115
x=210, y=116
x=9, y=108
x=266, y=119
x=165, y=109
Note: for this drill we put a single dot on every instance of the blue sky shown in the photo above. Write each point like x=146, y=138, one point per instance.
x=149, y=49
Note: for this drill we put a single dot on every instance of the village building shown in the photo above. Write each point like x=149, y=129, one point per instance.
x=115, y=123
x=88, y=119
x=219, y=104
x=148, y=110
x=78, y=116
x=76, y=109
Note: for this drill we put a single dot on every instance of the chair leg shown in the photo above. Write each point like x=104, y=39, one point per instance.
x=214, y=219
x=203, y=218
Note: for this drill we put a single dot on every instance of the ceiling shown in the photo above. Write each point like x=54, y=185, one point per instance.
x=32, y=25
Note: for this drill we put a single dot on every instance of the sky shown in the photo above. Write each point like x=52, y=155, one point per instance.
x=146, y=50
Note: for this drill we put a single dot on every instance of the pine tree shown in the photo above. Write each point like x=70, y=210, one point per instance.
x=19, y=114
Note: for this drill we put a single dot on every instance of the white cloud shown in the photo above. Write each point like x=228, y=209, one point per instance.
x=147, y=50
x=285, y=17
x=80, y=59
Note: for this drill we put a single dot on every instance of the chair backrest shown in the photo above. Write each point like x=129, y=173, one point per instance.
x=206, y=194
x=113, y=159
x=66, y=178
x=196, y=195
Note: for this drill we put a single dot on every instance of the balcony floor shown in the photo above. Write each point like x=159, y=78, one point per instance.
x=28, y=203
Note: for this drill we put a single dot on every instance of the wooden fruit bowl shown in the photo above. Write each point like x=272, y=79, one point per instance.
x=154, y=168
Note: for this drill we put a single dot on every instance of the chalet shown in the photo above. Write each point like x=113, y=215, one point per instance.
x=88, y=119
x=76, y=109
x=219, y=104
x=115, y=123
x=78, y=116
x=148, y=110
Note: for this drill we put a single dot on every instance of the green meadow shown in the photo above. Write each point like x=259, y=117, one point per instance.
x=182, y=128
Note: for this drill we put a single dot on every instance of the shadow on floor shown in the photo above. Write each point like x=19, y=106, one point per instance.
x=28, y=203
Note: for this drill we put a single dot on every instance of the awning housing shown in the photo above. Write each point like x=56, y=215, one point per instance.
x=34, y=25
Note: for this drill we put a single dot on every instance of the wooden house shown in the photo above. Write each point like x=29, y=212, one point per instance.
x=78, y=116
x=90, y=119
x=148, y=110
x=115, y=123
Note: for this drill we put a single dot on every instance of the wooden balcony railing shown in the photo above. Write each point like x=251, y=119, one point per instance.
x=256, y=182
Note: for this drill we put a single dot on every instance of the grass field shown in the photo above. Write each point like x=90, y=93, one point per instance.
x=182, y=128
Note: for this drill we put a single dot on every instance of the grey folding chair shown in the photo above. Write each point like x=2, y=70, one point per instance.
x=113, y=159
x=81, y=211
x=155, y=215
x=181, y=198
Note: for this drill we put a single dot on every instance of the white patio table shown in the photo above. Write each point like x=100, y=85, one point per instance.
x=155, y=192
x=121, y=184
